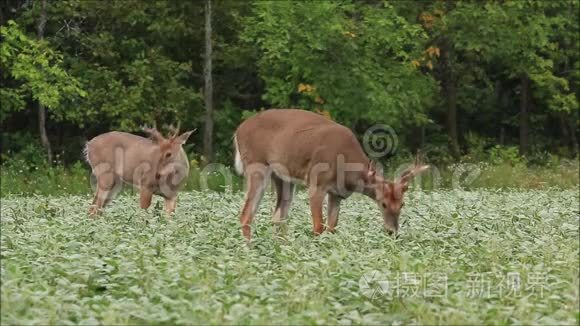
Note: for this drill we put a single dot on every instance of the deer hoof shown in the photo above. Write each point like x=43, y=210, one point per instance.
x=318, y=230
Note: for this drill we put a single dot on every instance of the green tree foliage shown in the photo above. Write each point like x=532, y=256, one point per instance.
x=524, y=38
x=433, y=70
x=490, y=47
x=36, y=72
x=124, y=57
x=351, y=59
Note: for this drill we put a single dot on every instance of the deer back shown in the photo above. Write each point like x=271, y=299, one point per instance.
x=133, y=158
x=293, y=142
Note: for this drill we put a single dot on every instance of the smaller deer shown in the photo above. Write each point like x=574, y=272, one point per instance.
x=155, y=165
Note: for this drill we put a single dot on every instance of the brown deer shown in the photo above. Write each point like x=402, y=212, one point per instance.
x=290, y=146
x=155, y=165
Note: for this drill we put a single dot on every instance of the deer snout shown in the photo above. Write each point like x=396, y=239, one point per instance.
x=392, y=233
x=392, y=229
x=157, y=176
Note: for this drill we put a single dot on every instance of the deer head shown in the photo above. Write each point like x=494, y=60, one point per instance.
x=389, y=195
x=169, y=150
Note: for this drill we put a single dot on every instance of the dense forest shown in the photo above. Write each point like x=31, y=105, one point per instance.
x=454, y=78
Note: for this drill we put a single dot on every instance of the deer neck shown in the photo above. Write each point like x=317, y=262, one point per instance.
x=360, y=183
x=369, y=190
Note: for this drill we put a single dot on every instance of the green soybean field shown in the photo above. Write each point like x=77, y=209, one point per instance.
x=477, y=257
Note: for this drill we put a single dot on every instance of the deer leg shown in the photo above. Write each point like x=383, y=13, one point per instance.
x=333, y=211
x=316, y=200
x=256, y=184
x=93, y=211
x=92, y=207
x=276, y=186
x=170, y=204
x=115, y=189
x=101, y=200
x=145, y=196
x=284, y=196
x=107, y=187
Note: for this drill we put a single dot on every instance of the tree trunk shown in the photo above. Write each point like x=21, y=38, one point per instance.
x=416, y=138
x=524, y=115
x=573, y=139
x=496, y=103
x=422, y=142
x=568, y=128
x=41, y=109
x=3, y=7
x=452, y=120
x=566, y=140
x=450, y=95
x=208, y=89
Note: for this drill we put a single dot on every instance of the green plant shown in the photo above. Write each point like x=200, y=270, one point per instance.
x=477, y=147
x=505, y=154
x=477, y=257
x=30, y=157
x=297, y=42
x=38, y=71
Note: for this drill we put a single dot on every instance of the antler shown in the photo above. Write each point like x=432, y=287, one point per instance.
x=174, y=130
x=415, y=169
x=154, y=133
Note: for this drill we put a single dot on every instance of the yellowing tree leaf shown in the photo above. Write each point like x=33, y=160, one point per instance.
x=427, y=19
x=433, y=51
x=324, y=113
x=350, y=34
x=306, y=88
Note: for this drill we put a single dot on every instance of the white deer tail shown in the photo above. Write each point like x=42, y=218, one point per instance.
x=86, y=152
x=239, y=164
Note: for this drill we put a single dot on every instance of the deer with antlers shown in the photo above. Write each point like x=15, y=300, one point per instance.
x=292, y=146
x=154, y=165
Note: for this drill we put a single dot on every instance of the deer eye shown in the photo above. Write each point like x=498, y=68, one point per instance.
x=167, y=155
x=384, y=205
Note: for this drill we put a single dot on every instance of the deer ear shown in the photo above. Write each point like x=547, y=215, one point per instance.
x=184, y=136
x=154, y=134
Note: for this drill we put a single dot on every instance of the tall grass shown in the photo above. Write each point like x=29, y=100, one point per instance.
x=75, y=179
x=462, y=258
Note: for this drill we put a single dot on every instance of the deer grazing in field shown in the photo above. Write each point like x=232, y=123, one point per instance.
x=155, y=165
x=290, y=146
